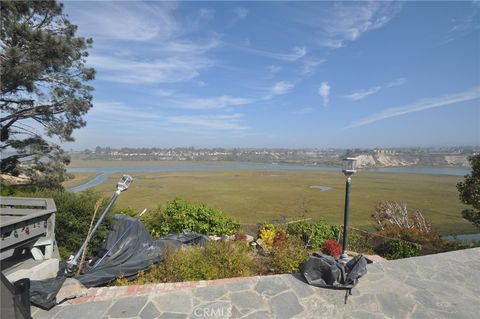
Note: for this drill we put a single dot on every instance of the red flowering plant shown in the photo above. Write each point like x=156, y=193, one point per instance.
x=281, y=239
x=332, y=248
x=240, y=236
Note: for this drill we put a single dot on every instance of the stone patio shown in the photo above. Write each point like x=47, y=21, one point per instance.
x=437, y=286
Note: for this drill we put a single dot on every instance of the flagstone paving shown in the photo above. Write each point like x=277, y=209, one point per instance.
x=437, y=286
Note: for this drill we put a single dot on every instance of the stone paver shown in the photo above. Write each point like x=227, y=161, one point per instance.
x=176, y=301
x=91, y=310
x=250, y=301
x=149, y=312
x=127, y=307
x=437, y=286
x=271, y=287
x=286, y=305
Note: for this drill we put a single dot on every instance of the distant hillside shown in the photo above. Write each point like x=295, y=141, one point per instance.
x=385, y=160
x=452, y=156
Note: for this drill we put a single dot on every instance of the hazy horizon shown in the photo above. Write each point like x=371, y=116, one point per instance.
x=288, y=148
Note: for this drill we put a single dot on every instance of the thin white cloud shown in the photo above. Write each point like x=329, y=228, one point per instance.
x=187, y=47
x=142, y=42
x=363, y=93
x=421, y=105
x=168, y=70
x=239, y=14
x=215, y=122
x=209, y=103
x=463, y=26
x=132, y=21
x=324, y=91
x=309, y=66
x=112, y=109
x=279, y=88
x=177, y=61
x=347, y=21
x=295, y=54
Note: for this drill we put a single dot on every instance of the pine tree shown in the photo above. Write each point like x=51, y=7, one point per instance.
x=43, y=88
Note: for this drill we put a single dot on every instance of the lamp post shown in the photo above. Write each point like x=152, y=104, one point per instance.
x=348, y=168
x=122, y=186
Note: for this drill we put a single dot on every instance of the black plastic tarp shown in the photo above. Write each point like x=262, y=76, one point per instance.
x=128, y=249
x=326, y=272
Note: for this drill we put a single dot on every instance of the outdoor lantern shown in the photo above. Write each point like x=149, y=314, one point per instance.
x=124, y=182
x=349, y=166
x=122, y=185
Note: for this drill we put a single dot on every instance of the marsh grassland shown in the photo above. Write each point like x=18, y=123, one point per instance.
x=257, y=196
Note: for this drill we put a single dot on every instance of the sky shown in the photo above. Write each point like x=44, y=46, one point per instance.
x=281, y=74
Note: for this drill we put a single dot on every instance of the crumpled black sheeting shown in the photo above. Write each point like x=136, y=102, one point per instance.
x=129, y=249
x=324, y=271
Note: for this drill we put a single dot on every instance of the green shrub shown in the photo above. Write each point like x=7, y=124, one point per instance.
x=312, y=234
x=430, y=242
x=357, y=241
x=218, y=259
x=6, y=190
x=397, y=248
x=125, y=211
x=287, y=255
x=16, y=190
x=179, y=216
x=73, y=217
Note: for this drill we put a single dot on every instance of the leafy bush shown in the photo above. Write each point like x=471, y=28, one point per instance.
x=218, y=259
x=287, y=255
x=125, y=211
x=6, y=190
x=313, y=234
x=179, y=216
x=357, y=241
x=395, y=249
x=429, y=242
x=332, y=248
x=73, y=217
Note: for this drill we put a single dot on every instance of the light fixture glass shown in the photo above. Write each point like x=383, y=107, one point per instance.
x=349, y=166
x=124, y=182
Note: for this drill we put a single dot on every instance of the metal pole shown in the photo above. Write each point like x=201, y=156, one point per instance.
x=344, y=257
x=73, y=263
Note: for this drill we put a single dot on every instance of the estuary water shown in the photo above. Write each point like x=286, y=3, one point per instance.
x=105, y=172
